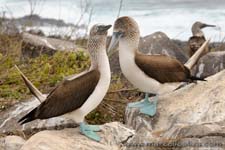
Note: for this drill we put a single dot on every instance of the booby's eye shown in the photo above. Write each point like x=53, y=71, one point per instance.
x=120, y=33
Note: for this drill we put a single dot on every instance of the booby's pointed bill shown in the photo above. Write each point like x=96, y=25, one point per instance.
x=104, y=27
x=194, y=58
x=114, y=41
x=208, y=25
x=41, y=97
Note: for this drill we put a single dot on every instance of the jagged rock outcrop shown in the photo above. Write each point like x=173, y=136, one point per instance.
x=194, y=114
x=113, y=135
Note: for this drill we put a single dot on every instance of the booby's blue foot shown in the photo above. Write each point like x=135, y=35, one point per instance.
x=140, y=104
x=146, y=107
x=89, y=131
x=149, y=109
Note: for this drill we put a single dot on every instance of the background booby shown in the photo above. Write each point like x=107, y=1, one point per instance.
x=197, y=38
x=149, y=73
x=77, y=96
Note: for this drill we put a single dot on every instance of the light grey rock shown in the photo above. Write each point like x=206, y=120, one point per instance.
x=34, y=45
x=11, y=143
x=159, y=43
x=210, y=64
x=113, y=136
x=194, y=114
x=9, y=118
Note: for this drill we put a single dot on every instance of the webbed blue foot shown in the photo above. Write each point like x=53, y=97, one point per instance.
x=89, y=131
x=146, y=107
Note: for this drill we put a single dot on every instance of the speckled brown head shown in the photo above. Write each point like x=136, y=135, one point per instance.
x=125, y=29
x=127, y=26
x=97, y=41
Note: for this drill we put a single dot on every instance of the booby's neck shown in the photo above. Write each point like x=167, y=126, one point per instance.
x=129, y=46
x=196, y=31
x=97, y=50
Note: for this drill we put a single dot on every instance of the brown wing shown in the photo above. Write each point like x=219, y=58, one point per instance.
x=195, y=42
x=65, y=98
x=162, y=68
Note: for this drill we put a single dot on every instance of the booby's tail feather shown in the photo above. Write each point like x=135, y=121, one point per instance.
x=28, y=117
x=194, y=78
x=191, y=80
x=31, y=87
x=194, y=58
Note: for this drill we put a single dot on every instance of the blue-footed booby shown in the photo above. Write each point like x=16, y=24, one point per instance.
x=149, y=73
x=197, y=38
x=76, y=96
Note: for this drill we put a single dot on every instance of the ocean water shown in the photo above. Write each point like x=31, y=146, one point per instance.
x=173, y=17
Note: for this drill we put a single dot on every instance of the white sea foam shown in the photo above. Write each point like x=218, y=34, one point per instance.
x=174, y=17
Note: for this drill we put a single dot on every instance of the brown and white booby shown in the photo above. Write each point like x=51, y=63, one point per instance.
x=149, y=73
x=74, y=98
x=197, y=38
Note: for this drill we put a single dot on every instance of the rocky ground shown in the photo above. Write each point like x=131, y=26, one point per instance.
x=185, y=119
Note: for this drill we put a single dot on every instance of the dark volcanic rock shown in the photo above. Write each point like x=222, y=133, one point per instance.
x=210, y=64
x=159, y=43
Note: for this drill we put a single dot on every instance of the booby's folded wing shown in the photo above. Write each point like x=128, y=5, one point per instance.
x=195, y=43
x=162, y=68
x=65, y=98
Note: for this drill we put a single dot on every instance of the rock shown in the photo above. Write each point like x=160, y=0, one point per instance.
x=9, y=118
x=210, y=64
x=193, y=115
x=182, y=45
x=36, y=32
x=34, y=45
x=159, y=43
x=113, y=135
x=11, y=143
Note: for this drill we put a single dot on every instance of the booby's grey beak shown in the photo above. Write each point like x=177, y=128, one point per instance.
x=103, y=28
x=208, y=25
x=114, y=41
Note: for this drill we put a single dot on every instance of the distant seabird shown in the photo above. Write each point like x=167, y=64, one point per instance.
x=77, y=96
x=198, y=38
x=149, y=73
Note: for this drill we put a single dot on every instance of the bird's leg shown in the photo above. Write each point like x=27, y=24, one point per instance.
x=146, y=107
x=151, y=108
x=141, y=103
x=89, y=131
